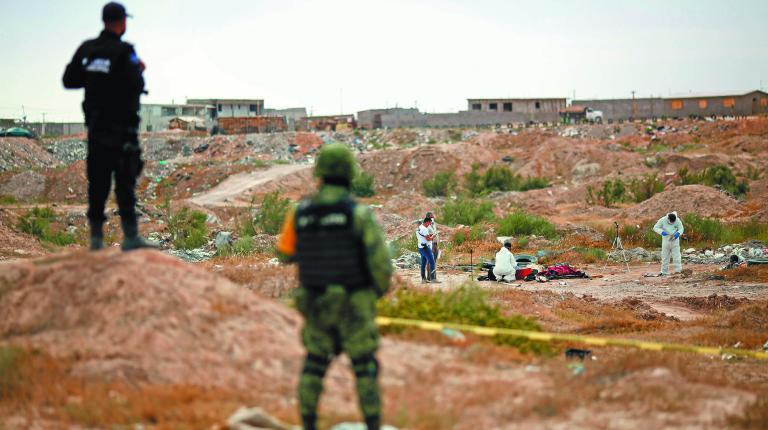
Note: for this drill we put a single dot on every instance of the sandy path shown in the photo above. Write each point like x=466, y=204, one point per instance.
x=226, y=193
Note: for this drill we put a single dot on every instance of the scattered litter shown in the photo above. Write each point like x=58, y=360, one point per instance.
x=192, y=255
x=581, y=354
x=576, y=368
x=254, y=418
x=532, y=369
x=454, y=335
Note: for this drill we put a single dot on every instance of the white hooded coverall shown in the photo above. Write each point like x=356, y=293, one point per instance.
x=670, y=247
x=505, y=266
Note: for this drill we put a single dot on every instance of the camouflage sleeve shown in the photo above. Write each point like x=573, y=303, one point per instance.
x=377, y=252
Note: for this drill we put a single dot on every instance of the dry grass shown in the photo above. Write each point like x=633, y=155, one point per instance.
x=256, y=273
x=595, y=317
x=757, y=273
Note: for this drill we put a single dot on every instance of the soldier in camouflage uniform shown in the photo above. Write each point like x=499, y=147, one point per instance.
x=344, y=267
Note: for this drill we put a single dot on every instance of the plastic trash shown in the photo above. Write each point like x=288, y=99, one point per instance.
x=453, y=334
x=576, y=368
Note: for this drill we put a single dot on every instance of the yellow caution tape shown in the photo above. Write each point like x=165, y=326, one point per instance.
x=589, y=340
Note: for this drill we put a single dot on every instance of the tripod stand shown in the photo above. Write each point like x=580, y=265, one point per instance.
x=618, y=246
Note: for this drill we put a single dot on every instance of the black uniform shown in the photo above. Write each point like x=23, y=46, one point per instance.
x=110, y=72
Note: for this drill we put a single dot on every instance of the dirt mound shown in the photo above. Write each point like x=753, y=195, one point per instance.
x=18, y=153
x=24, y=186
x=175, y=323
x=407, y=169
x=69, y=184
x=713, y=302
x=699, y=199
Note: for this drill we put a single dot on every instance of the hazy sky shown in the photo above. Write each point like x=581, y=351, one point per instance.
x=358, y=54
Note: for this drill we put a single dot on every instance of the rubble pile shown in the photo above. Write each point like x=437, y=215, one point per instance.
x=722, y=255
x=409, y=260
x=18, y=153
x=67, y=151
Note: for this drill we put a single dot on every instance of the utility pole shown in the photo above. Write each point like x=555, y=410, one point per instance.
x=42, y=129
x=634, y=107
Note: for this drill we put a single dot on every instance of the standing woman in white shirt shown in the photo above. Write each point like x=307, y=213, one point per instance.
x=424, y=236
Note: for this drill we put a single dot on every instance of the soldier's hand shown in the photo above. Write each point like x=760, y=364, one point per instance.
x=142, y=66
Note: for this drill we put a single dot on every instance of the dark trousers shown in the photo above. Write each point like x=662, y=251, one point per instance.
x=105, y=161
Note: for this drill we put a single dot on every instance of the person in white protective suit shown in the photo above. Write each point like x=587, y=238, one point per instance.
x=505, y=266
x=670, y=228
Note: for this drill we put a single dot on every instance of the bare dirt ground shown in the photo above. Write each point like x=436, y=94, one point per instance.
x=231, y=191
x=111, y=340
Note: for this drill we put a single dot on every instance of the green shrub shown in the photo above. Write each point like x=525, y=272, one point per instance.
x=473, y=181
x=520, y=223
x=37, y=222
x=753, y=173
x=612, y=192
x=720, y=176
x=271, y=214
x=699, y=229
x=241, y=247
x=500, y=178
x=467, y=211
x=467, y=304
x=534, y=183
x=7, y=200
x=645, y=188
x=407, y=243
x=474, y=233
x=441, y=185
x=11, y=375
x=187, y=227
x=592, y=255
x=362, y=185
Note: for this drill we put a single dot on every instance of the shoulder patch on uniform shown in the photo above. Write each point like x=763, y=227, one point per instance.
x=134, y=58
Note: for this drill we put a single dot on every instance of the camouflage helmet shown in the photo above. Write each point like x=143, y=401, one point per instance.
x=335, y=161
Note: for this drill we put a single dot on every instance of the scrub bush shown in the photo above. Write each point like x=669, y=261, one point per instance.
x=362, y=185
x=38, y=222
x=645, y=188
x=441, y=185
x=467, y=211
x=534, y=183
x=520, y=223
x=241, y=247
x=699, y=229
x=271, y=214
x=467, y=304
x=11, y=376
x=187, y=227
x=720, y=176
x=474, y=234
x=400, y=246
x=499, y=178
